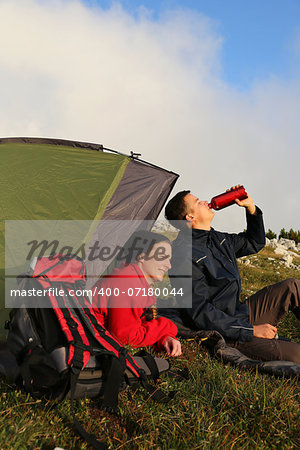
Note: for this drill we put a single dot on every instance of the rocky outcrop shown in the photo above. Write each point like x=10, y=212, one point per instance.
x=162, y=225
x=287, y=248
x=282, y=244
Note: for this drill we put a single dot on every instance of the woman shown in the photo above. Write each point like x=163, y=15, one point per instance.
x=121, y=299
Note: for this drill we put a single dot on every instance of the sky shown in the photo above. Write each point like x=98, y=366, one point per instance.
x=207, y=89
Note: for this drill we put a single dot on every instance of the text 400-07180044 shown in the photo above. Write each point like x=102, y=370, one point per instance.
x=144, y=292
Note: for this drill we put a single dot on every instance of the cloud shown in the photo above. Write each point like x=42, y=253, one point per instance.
x=153, y=86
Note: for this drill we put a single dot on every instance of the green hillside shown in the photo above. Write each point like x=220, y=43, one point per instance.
x=219, y=407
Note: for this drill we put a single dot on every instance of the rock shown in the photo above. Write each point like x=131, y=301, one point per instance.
x=287, y=243
x=273, y=243
x=287, y=249
x=288, y=259
x=163, y=225
x=280, y=250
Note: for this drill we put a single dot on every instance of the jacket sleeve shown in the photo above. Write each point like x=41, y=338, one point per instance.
x=205, y=316
x=127, y=322
x=253, y=239
x=130, y=328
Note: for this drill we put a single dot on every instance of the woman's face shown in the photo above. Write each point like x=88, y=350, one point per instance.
x=157, y=262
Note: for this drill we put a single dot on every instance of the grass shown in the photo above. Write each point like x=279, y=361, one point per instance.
x=219, y=406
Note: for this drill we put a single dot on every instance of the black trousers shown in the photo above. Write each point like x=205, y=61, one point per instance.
x=270, y=305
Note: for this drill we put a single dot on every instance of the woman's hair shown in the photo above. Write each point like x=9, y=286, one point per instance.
x=140, y=242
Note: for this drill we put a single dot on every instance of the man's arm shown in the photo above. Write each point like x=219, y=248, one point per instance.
x=253, y=239
x=206, y=316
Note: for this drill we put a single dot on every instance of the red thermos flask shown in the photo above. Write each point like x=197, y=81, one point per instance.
x=228, y=198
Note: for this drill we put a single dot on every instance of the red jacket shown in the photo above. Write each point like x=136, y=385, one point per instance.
x=127, y=287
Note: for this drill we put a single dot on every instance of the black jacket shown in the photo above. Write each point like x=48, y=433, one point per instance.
x=216, y=282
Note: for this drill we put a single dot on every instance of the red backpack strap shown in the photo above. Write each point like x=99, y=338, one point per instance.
x=108, y=341
x=74, y=314
x=60, y=268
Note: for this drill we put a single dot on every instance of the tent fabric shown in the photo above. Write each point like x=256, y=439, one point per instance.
x=52, y=141
x=56, y=179
x=57, y=182
x=144, y=202
x=148, y=197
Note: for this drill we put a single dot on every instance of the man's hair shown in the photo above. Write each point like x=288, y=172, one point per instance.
x=176, y=209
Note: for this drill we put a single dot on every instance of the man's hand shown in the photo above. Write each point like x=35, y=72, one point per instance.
x=172, y=346
x=246, y=203
x=265, y=330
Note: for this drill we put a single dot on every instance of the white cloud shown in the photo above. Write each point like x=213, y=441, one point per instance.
x=154, y=87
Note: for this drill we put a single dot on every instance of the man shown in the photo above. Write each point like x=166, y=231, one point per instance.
x=216, y=282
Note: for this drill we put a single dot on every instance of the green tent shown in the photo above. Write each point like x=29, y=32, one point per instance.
x=55, y=179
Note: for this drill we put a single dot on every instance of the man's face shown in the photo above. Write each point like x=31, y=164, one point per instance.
x=198, y=211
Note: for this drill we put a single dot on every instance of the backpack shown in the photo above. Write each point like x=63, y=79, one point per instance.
x=61, y=349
